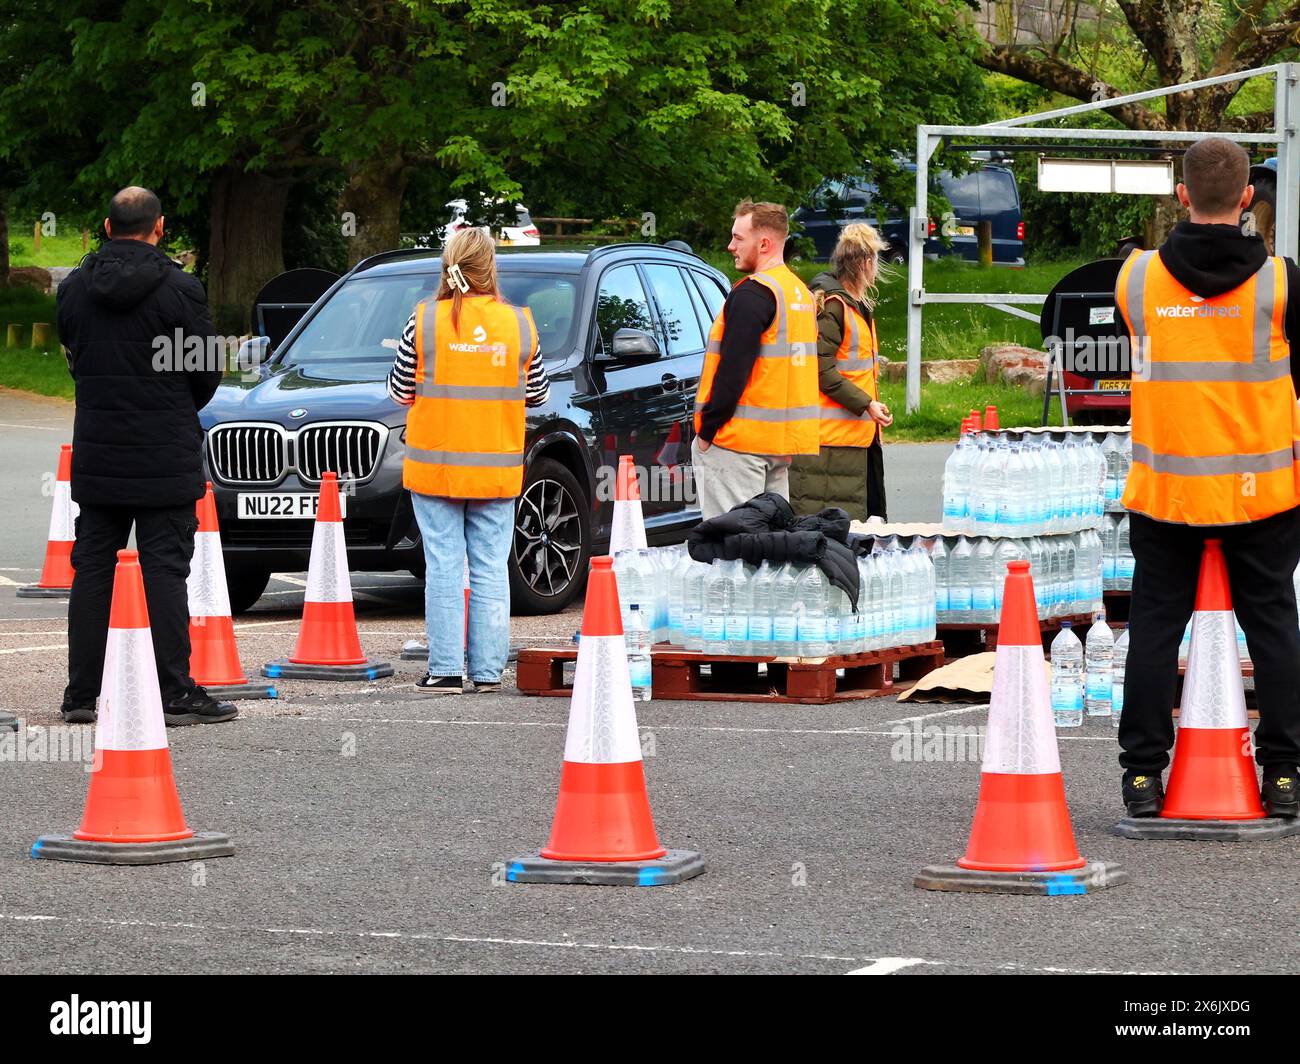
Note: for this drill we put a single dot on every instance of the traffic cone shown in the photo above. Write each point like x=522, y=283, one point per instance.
x=56, y=574
x=328, y=646
x=214, y=657
x=1021, y=841
x=133, y=813
x=603, y=832
x=1213, y=792
x=975, y=419
x=628, y=531
x=991, y=417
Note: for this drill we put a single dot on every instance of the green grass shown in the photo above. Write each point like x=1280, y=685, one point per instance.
x=42, y=372
x=944, y=405
x=61, y=250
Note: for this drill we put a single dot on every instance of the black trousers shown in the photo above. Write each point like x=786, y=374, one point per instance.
x=876, y=506
x=1261, y=558
x=165, y=540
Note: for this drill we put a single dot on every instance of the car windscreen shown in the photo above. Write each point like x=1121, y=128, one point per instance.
x=362, y=322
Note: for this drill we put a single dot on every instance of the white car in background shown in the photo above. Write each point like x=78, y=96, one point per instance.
x=522, y=234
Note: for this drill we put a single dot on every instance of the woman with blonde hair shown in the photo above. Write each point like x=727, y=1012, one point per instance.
x=467, y=365
x=848, y=471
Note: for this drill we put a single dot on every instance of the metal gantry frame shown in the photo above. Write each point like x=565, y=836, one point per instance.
x=1286, y=117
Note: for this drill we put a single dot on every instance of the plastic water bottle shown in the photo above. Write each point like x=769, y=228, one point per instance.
x=762, y=598
x=693, y=605
x=1067, y=678
x=988, y=485
x=813, y=589
x=1037, y=496
x=638, y=653
x=630, y=580
x=956, y=483
x=677, y=598
x=741, y=606
x=959, y=581
x=1099, y=661
x=719, y=596
x=981, y=583
x=1056, y=490
x=1117, y=677
x=1070, y=574
x=1007, y=551
x=1014, y=508
x=1111, y=449
x=785, y=611
x=876, y=619
x=939, y=564
x=1123, y=556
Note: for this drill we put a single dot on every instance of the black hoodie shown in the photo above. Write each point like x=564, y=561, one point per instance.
x=122, y=314
x=1209, y=260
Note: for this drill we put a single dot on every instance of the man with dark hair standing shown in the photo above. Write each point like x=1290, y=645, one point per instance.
x=1216, y=440
x=123, y=316
x=757, y=404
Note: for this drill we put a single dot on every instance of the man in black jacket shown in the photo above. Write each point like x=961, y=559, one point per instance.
x=125, y=316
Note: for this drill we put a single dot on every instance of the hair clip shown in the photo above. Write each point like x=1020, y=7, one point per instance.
x=456, y=278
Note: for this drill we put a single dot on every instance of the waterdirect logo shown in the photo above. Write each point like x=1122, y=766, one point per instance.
x=1177, y=310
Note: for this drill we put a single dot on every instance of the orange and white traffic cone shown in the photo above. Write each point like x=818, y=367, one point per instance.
x=603, y=832
x=328, y=646
x=214, y=656
x=628, y=531
x=991, y=417
x=56, y=574
x=1021, y=841
x=133, y=813
x=1213, y=792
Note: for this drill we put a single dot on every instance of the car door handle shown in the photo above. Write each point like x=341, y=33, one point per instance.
x=670, y=382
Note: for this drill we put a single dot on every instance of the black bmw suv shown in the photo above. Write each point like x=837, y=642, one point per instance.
x=622, y=331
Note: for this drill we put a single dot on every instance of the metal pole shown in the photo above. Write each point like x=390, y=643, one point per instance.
x=1286, y=114
x=1138, y=97
x=919, y=223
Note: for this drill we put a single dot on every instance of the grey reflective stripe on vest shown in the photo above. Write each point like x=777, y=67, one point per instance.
x=1217, y=465
x=465, y=458
x=854, y=365
x=484, y=392
x=1135, y=294
x=428, y=336
x=526, y=339
x=763, y=413
x=1213, y=372
x=781, y=347
x=1263, y=310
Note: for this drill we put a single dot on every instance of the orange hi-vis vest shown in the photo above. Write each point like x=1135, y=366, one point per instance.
x=778, y=411
x=1216, y=428
x=856, y=361
x=465, y=431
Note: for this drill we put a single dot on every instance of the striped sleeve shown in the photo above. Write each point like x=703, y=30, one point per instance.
x=401, y=378
x=538, y=389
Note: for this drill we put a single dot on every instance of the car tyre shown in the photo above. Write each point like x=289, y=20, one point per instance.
x=245, y=585
x=552, y=539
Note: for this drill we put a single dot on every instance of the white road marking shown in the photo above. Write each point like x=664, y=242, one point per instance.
x=32, y=650
x=6, y=582
x=39, y=428
x=942, y=713
x=888, y=965
x=357, y=593
x=427, y=936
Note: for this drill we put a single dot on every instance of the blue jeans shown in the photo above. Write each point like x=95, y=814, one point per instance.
x=451, y=528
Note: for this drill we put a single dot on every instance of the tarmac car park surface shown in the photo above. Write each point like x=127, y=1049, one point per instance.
x=370, y=823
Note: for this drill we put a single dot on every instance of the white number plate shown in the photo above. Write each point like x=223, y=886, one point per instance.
x=263, y=505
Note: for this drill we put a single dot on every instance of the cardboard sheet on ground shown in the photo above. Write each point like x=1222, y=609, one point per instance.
x=968, y=679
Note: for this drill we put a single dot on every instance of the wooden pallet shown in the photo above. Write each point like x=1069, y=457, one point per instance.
x=690, y=676
x=960, y=640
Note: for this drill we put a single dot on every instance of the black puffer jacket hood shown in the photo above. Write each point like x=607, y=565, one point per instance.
x=766, y=529
x=123, y=272
x=1211, y=259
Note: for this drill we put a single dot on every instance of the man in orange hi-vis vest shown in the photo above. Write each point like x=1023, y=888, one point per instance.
x=757, y=404
x=1216, y=455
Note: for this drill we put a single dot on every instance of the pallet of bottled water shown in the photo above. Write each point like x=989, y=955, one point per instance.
x=1010, y=484
x=970, y=572
x=731, y=608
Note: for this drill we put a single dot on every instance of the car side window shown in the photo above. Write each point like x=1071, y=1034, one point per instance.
x=621, y=303
x=714, y=295
x=674, y=302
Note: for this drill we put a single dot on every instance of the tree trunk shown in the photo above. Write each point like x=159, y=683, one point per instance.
x=4, y=238
x=245, y=250
x=373, y=198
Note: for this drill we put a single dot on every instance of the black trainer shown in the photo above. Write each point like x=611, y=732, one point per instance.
x=197, y=707
x=1279, y=793
x=78, y=714
x=487, y=687
x=441, y=685
x=1144, y=794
